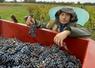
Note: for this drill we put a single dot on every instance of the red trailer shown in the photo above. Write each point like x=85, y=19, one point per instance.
x=82, y=48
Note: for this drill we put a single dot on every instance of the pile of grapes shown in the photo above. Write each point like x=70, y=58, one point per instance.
x=17, y=54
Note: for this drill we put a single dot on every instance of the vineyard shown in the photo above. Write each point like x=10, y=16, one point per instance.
x=40, y=12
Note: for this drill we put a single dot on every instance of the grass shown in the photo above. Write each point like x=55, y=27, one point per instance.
x=18, y=11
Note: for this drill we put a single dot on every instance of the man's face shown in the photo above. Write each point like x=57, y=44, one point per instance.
x=64, y=18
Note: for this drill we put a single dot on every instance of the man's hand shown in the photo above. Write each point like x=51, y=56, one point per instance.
x=58, y=39
x=30, y=20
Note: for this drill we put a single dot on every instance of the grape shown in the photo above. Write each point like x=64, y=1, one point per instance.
x=17, y=54
x=32, y=30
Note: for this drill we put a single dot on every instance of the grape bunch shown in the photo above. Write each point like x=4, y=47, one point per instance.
x=32, y=30
x=17, y=54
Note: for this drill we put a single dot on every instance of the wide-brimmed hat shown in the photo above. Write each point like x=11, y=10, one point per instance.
x=69, y=11
x=82, y=15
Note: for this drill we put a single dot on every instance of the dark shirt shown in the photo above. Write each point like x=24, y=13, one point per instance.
x=63, y=27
